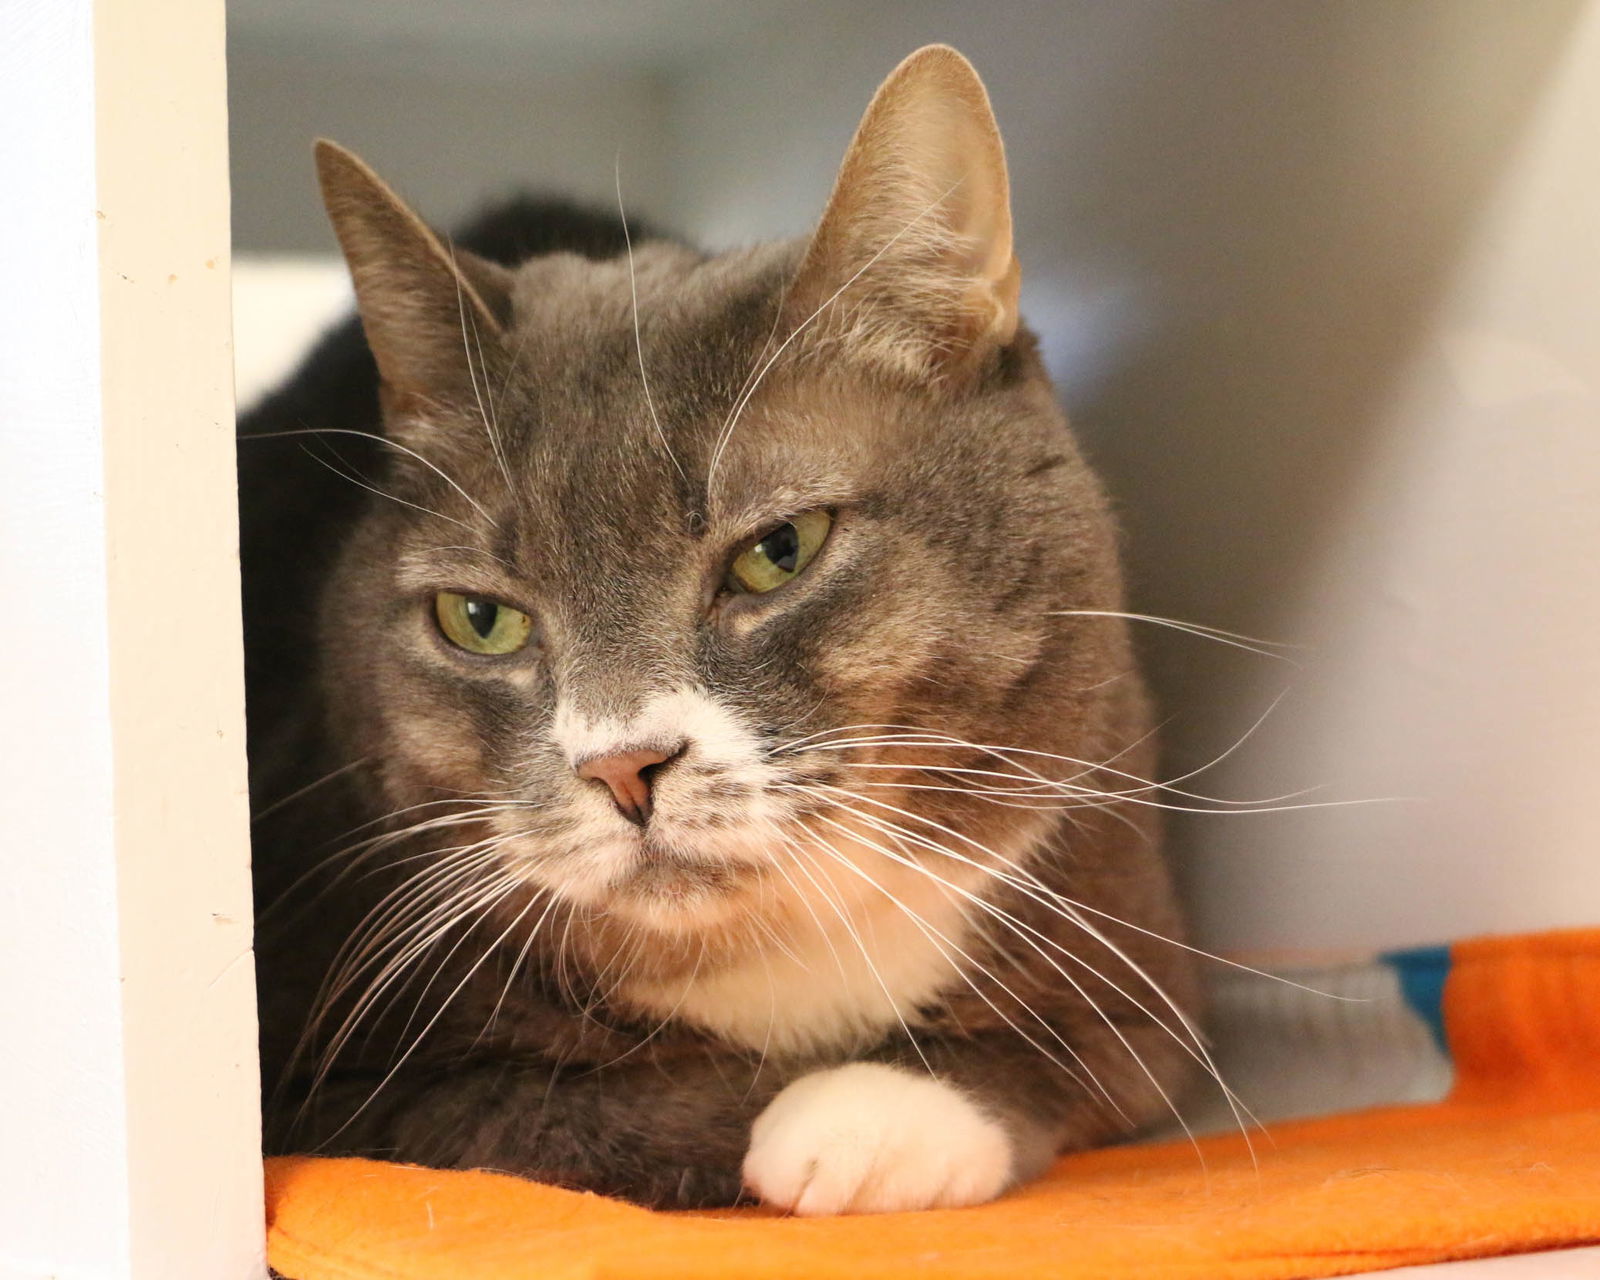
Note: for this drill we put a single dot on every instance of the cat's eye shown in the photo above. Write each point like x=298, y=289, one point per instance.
x=780, y=554
x=479, y=625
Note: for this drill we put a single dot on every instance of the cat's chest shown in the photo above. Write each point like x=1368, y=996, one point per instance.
x=833, y=985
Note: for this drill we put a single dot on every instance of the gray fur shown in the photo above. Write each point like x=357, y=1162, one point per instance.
x=966, y=520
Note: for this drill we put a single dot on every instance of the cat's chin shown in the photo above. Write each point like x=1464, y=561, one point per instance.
x=679, y=918
x=679, y=895
x=667, y=890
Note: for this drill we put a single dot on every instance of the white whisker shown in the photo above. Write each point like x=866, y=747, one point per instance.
x=289, y=799
x=872, y=968
x=371, y=488
x=1017, y=926
x=941, y=941
x=472, y=374
x=383, y=440
x=750, y=390
x=1263, y=648
x=1082, y=906
x=934, y=741
x=444, y=1005
x=638, y=341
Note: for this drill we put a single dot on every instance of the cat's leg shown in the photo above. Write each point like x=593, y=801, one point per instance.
x=664, y=1134
x=956, y=1124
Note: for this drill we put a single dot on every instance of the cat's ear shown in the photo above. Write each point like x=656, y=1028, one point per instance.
x=912, y=261
x=432, y=314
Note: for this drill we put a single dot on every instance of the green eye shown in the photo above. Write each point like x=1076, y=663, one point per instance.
x=481, y=626
x=780, y=554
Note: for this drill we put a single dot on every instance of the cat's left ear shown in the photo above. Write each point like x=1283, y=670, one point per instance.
x=432, y=315
x=912, y=262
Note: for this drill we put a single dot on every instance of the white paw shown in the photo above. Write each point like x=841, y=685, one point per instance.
x=868, y=1138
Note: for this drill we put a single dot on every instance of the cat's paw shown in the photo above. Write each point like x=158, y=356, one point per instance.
x=869, y=1138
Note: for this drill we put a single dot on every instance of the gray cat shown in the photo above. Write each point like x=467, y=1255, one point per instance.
x=695, y=749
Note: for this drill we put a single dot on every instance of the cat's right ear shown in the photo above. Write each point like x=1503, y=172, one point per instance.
x=433, y=315
x=912, y=264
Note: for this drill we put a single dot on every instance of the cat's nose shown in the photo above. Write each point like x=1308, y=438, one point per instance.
x=629, y=774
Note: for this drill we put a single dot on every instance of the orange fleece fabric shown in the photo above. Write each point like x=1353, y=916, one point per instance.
x=1509, y=1162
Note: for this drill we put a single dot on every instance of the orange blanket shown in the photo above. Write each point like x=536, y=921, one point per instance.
x=1510, y=1162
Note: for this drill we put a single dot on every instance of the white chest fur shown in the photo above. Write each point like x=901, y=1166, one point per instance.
x=829, y=984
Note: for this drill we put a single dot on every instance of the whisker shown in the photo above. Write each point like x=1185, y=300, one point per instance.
x=516, y=965
x=744, y=398
x=393, y=927
x=822, y=932
x=307, y=789
x=384, y=440
x=396, y=959
x=1092, y=1084
x=1017, y=925
x=386, y=926
x=385, y=923
x=472, y=375
x=866, y=958
x=934, y=741
x=1195, y=1047
x=362, y=484
x=1054, y=901
x=1038, y=795
x=638, y=341
x=361, y=851
x=416, y=1009
x=399, y=934
x=432, y=1022
x=1083, y=906
x=1263, y=648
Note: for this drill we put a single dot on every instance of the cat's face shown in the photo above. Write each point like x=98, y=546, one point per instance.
x=761, y=547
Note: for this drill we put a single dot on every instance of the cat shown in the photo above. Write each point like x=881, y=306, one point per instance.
x=696, y=752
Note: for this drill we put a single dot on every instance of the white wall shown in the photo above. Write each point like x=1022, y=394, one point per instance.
x=280, y=303
x=1317, y=278
x=63, y=1113
x=1454, y=596
x=447, y=137
x=129, y=1121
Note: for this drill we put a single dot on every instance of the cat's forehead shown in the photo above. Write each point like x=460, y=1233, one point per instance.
x=652, y=383
x=660, y=292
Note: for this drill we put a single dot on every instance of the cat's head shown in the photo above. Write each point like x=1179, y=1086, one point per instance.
x=716, y=580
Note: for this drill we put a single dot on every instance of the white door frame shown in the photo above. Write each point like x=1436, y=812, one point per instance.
x=128, y=1076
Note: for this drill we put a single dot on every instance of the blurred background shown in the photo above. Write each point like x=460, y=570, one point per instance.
x=1318, y=280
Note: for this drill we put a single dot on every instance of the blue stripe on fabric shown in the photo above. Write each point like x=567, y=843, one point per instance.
x=1422, y=971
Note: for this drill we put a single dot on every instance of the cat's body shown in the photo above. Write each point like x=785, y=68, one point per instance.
x=844, y=891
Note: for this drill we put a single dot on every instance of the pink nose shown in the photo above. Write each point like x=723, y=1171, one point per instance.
x=627, y=773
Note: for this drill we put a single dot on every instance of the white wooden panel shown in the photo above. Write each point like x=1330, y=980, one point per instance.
x=131, y=1137
x=61, y=1119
